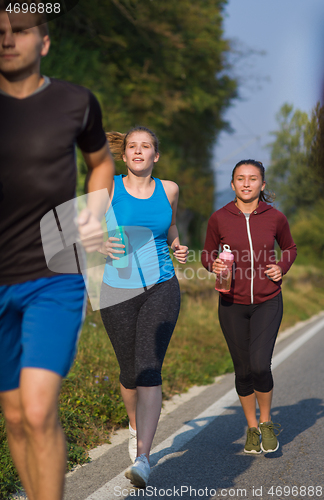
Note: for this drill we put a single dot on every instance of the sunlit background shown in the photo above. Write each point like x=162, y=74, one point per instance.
x=283, y=42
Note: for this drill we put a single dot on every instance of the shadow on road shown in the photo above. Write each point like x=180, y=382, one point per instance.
x=214, y=458
x=295, y=419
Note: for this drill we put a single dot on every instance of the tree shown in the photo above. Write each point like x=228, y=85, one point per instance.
x=290, y=174
x=297, y=176
x=161, y=64
x=316, y=157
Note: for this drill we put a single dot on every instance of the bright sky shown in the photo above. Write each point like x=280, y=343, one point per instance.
x=292, y=70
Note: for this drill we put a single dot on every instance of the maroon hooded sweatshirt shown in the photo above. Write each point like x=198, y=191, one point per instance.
x=252, y=241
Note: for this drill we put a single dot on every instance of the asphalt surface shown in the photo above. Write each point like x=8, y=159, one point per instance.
x=198, y=448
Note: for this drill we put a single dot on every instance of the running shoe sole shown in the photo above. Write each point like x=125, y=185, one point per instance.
x=253, y=452
x=270, y=451
x=135, y=478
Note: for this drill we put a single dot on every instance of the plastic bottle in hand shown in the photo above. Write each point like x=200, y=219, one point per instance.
x=224, y=279
x=123, y=258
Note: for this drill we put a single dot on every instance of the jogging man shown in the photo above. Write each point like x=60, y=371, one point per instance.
x=40, y=311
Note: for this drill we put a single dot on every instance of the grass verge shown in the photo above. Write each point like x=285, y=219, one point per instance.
x=90, y=402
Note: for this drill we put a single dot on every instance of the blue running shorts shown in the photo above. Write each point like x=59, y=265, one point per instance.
x=40, y=323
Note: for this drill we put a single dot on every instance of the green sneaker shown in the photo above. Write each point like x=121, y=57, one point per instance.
x=269, y=433
x=252, y=444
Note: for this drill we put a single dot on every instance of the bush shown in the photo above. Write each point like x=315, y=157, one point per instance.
x=308, y=234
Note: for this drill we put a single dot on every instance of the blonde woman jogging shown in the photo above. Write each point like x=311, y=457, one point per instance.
x=140, y=298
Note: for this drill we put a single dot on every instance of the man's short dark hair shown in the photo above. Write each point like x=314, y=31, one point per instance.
x=39, y=18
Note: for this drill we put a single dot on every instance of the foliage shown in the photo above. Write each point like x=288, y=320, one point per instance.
x=316, y=156
x=308, y=233
x=158, y=64
x=297, y=176
x=291, y=175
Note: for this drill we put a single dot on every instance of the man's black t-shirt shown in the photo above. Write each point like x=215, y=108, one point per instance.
x=37, y=168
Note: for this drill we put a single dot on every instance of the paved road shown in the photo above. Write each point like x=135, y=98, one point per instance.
x=198, y=449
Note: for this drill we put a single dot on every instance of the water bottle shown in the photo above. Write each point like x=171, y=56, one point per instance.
x=122, y=262
x=224, y=279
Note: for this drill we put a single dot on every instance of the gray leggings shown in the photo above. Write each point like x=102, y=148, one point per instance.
x=140, y=330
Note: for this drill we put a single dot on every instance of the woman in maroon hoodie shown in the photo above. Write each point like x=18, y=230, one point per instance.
x=250, y=313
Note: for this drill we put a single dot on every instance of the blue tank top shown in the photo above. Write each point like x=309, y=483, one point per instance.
x=146, y=223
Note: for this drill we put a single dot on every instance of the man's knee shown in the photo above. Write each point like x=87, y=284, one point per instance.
x=38, y=418
x=14, y=419
x=39, y=399
x=12, y=413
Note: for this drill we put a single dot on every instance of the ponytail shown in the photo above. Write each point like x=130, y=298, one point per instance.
x=116, y=142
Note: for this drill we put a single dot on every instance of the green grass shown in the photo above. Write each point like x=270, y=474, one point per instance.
x=9, y=481
x=303, y=294
x=90, y=402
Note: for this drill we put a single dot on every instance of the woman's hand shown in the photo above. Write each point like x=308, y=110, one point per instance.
x=181, y=253
x=109, y=247
x=273, y=272
x=218, y=266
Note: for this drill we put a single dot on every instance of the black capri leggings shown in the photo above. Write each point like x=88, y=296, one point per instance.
x=250, y=332
x=140, y=330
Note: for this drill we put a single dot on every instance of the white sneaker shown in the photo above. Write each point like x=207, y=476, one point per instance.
x=132, y=444
x=139, y=472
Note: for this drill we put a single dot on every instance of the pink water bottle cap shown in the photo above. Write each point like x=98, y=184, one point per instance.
x=226, y=253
